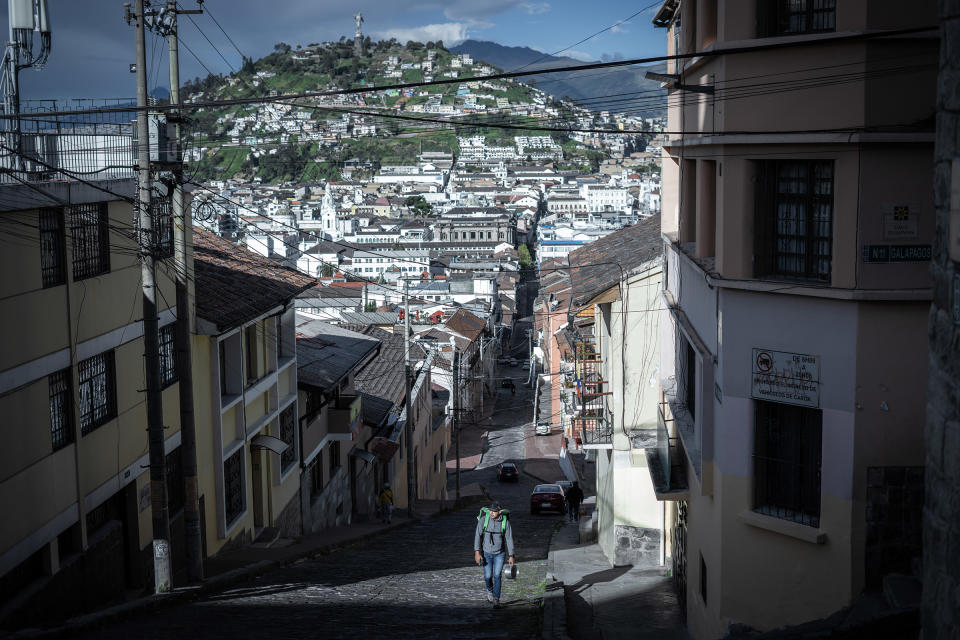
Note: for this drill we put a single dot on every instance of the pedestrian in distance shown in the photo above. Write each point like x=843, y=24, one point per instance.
x=574, y=498
x=492, y=541
x=385, y=502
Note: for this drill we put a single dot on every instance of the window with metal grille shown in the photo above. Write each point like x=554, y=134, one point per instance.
x=52, y=248
x=288, y=430
x=168, y=356
x=794, y=17
x=253, y=353
x=233, y=486
x=162, y=219
x=97, y=388
x=91, y=240
x=61, y=408
x=786, y=462
x=690, y=380
x=794, y=219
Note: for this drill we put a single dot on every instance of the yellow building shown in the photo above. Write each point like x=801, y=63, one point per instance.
x=73, y=470
x=245, y=389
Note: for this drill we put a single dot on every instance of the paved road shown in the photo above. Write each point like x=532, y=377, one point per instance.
x=414, y=582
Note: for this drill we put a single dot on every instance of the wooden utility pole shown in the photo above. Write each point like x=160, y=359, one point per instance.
x=184, y=329
x=408, y=427
x=151, y=335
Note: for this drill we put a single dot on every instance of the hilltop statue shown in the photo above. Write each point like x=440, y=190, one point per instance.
x=358, y=36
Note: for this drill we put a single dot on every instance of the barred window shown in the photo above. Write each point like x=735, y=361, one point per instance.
x=98, y=393
x=233, y=486
x=316, y=476
x=794, y=219
x=794, y=17
x=61, y=408
x=91, y=240
x=334, y=456
x=786, y=462
x=162, y=219
x=168, y=356
x=288, y=422
x=52, y=248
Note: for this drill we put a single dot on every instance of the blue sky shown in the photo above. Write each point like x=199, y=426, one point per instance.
x=92, y=45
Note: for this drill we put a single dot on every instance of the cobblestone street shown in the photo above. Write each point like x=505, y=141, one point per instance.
x=418, y=581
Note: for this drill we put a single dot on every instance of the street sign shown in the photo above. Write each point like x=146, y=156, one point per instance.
x=789, y=378
x=895, y=253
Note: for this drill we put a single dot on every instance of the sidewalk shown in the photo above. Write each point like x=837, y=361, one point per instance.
x=240, y=565
x=600, y=601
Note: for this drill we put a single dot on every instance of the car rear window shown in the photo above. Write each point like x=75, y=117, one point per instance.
x=509, y=467
x=547, y=488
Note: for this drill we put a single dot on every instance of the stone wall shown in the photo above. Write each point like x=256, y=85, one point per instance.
x=941, y=516
x=894, y=522
x=635, y=545
x=331, y=508
x=289, y=521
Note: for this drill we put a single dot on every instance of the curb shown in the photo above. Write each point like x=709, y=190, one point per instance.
x=554, y=604
x=213, y=584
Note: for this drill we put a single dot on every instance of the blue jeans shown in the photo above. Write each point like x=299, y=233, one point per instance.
x=493, y=571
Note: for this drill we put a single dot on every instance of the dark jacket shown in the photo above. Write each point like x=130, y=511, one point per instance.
x=575, y=495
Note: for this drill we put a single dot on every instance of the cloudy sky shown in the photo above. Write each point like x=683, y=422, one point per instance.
x=93, y=46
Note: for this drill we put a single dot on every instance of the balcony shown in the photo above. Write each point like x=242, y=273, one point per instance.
x=594, y=425
x=666, y=464
x=346, y=415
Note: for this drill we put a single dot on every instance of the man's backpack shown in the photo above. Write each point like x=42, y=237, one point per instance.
x=485, y=513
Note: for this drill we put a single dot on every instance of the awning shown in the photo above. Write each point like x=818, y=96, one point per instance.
x=363, y=454
x=276, y=445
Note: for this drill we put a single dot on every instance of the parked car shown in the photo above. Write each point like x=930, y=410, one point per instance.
x=543, y=429
x=507, y=472
x=566, y=485
x=547, y=496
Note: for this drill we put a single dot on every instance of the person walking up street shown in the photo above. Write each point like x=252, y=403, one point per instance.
x=385, y=501
x=492, y=541
x=574, y=498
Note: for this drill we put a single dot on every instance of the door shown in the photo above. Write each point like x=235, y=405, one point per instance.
x=680, y=555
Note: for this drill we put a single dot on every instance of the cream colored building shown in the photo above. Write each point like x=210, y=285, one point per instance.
x=245, y=390
x=74, y=486
x=797, y=222
x=616, y=395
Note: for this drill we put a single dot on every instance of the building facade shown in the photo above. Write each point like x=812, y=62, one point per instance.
x=797, y=289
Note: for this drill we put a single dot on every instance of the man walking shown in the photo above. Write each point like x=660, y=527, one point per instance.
x=386, y=503
x=574, y=498
x=493, y=537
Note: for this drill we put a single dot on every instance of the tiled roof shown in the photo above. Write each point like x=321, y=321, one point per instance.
x=381, y=380
x=326, y=353
x=466, y=324
x=235, y=285
x=593, y=268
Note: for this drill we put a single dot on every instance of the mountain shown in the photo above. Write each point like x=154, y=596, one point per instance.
x=584, y=86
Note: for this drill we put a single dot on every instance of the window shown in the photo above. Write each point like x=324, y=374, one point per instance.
x=316, y=476
x=794, y=219
x=793, y=17
x=288, y=421
x=786, y=462
x=98, y=403
x=334, y=456
x=250, y=337
x=168, y=356
x=61, y=408
x=52, y=248
x=91, y=240
x=233, y=486
x=162, y=227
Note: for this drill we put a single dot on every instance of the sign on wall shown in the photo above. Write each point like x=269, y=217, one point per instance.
x=790, y=378
x=900, y=222
x=894, y=253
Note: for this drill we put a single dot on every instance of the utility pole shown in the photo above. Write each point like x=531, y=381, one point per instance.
x=456, y=409
x=188, y=435
x=408, y=428
x=151, y=336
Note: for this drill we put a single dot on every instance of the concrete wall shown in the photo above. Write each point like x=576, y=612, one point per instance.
x=941, y=534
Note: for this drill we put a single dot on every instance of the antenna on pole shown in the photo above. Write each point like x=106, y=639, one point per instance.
x=26, y=17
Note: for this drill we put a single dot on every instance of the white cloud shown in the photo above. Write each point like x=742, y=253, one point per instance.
x=451, y=33
x=618, y=29
x=533, y=8
x=579, y=55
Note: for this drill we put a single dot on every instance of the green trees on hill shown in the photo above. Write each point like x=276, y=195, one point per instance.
x=525, y=260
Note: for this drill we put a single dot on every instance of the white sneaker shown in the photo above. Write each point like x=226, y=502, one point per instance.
x=490, y=597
